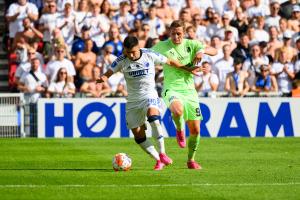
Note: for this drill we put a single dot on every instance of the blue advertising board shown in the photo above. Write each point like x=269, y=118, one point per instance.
x=223, y=117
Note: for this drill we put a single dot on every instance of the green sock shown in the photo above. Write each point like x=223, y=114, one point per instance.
x=193, y=146
x=179, y=122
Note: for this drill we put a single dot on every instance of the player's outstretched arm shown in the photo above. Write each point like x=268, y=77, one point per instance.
x=189, y=67
x=174, y=63
x=105, y=76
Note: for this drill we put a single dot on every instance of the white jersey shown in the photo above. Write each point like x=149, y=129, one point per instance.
x=139, y=74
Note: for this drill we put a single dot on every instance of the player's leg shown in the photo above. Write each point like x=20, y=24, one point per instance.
x=171, y=98
x=193, y=143
x=154, y=120
x=177, y=110
x=193, y=116
x=141, y=139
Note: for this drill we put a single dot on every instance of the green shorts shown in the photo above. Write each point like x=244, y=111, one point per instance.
x=188, y=98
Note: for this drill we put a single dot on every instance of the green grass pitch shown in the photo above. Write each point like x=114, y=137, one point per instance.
x=233, y=168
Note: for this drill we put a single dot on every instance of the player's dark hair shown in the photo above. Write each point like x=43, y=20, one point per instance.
x=177, y=24
x=130, y=42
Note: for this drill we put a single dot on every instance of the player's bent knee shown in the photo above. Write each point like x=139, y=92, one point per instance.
x=140, y=140
x=153, y=118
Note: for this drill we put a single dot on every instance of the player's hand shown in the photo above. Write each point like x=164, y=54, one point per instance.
x=198, y=58
x=195, y=70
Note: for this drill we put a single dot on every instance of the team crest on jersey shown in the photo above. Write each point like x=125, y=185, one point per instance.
x=188, y=49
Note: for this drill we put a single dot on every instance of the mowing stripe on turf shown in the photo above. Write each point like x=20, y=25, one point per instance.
x=152, y=185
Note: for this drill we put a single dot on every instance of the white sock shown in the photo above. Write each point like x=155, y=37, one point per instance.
x=148, y=147
x=157, y=133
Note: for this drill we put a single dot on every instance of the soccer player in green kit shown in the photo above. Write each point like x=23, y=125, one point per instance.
x=179, y=92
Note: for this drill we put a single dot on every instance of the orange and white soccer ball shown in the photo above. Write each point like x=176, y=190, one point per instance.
x=121, y=162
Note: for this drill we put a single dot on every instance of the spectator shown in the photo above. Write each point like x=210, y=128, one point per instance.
x=25, y=67
x=264, y=52
x=207, y=81
x=105, y=60
x=253, y=63
x=217, y=44
x=200, y=29
x=283, y=27
x=265, y=82
x=106, y=11
x=165, y=12
x=34, y=83
x=47, y=23
x=209, y=16
x=60, y=61
x=214, y=26
x=61, y=87
x=17, y=12
x=260, y=33
x=258, y=9
x=61, y=5
x=156, y=25
x=98, y=25
x=92, y=89
x=274, y=43
x=251, y=35
x=194, y=9
x=137, y=12
x=186, y=16
x=236, y=81
x=124, y=19
x=240, y=22
x=79, y=44
x=284, y=72
x=84, y=64
x=287, y=47
x=67, y=24
x=29, y=33
x=223, y=67
x=226, y=26
x=230, y=8
x=243, y=49
x=296, y=88
x=115, y=40
x=229, y=38
x=191, y=33
x=286, y=8
x=293, y=22
x=274, y=17
x=82, y=14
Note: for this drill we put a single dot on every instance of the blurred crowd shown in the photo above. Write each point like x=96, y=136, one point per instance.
x=58, y=48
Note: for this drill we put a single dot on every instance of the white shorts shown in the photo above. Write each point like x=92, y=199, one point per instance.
x=136, y=112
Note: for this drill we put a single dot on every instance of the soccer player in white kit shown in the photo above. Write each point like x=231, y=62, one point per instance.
x=138, y=66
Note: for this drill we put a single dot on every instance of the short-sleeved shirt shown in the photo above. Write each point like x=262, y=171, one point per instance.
x=174, y=78
x=17, y=25
x=139, y=74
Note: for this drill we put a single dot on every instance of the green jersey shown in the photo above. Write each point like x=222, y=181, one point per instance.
x=174, y=78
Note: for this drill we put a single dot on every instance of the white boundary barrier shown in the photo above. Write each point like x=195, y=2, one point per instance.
x=11, y=115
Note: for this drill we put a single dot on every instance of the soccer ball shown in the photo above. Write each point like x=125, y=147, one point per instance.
x=121, y=162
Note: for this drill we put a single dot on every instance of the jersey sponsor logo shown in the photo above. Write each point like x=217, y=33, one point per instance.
x=137, y=73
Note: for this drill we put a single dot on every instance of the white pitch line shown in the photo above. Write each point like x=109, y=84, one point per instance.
x=152, y=185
